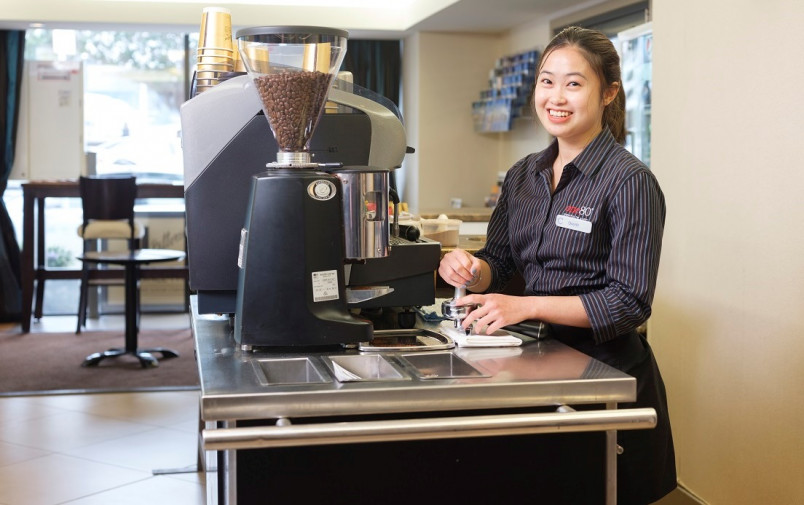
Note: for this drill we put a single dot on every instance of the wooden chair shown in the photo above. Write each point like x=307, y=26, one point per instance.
x=108, y=208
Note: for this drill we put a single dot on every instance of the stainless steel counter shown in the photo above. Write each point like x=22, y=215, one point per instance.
x=235, y=387
x=538, y=373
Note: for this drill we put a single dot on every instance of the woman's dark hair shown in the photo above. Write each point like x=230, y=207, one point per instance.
x=604, y=60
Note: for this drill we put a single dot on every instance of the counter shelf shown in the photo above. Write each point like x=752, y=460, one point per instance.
x=490, y=396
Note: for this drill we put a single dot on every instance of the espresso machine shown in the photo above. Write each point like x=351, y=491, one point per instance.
x=288, y=205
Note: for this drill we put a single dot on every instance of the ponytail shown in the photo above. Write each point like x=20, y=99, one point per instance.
x=614, y=116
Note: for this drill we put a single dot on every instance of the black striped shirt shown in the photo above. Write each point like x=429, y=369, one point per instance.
x=599, y=236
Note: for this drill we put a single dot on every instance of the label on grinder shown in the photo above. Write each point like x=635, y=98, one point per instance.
x=241, y=250
x=325, y=285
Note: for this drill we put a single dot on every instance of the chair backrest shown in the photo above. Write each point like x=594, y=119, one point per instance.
x=108, y=198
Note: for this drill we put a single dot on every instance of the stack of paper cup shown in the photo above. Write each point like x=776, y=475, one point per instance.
x=215, y=49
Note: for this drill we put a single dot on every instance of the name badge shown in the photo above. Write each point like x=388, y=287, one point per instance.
x=573, y=223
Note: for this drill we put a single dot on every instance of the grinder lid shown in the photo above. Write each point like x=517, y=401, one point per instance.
x=278, y=30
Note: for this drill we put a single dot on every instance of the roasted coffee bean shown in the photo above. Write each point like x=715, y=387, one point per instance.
x=293, y=101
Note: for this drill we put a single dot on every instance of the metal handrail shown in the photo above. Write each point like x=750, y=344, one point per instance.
x=285, y=434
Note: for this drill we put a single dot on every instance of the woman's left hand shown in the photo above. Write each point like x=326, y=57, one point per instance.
x=495, y=311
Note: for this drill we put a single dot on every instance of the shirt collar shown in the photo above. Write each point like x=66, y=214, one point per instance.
x=546, y=158
x=591, y=158
x=587, y=162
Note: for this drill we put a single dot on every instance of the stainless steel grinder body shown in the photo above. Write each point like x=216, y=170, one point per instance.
x=365, y=211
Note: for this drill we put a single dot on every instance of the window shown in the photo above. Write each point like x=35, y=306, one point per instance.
x=134, y=84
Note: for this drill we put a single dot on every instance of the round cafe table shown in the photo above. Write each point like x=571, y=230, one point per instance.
x=131, y=261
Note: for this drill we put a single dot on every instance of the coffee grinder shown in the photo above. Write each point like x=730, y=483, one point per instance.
x=291, y=283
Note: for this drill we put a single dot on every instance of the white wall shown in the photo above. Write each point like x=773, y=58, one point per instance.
x=527, y=136
x=408, y=175
x=443, y=75
x=728, y=323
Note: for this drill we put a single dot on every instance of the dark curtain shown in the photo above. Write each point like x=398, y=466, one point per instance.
x=12, y=49
x=376, y=65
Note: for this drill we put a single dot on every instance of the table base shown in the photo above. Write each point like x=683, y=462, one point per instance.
x=147, y=360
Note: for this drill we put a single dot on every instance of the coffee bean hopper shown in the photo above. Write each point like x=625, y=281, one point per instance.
x=303, y=219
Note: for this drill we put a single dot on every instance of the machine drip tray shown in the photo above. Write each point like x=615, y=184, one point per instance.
x=410, y=340
x=271, y=372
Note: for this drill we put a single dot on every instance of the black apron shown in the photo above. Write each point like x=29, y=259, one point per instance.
x=646, y=469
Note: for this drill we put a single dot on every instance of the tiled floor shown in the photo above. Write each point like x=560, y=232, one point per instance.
x=100, y=449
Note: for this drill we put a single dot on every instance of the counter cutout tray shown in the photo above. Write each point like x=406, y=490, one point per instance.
x=411, y=340
x=363, y=367
x=441, y=365
x=274, y=371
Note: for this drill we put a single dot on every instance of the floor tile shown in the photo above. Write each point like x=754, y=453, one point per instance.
x=165, y=409
x=188, y=426
x=153, y=491
x=56, y=478
x=67, y=430
x=156, y=449
x=17, y=409
x=13, y=453
x=66, y=402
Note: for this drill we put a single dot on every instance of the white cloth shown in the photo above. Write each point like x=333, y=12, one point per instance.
x=499, y=338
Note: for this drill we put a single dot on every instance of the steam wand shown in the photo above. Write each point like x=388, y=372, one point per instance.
x=395, y=198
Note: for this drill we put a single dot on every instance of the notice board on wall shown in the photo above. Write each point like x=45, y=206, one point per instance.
x=50, y=135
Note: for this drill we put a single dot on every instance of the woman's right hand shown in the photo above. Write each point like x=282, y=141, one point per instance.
x=459, y=268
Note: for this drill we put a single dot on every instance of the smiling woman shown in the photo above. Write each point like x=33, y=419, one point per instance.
x=582, y=223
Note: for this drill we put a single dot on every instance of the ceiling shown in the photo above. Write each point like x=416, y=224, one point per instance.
x=363, y=18
x=495, y=16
